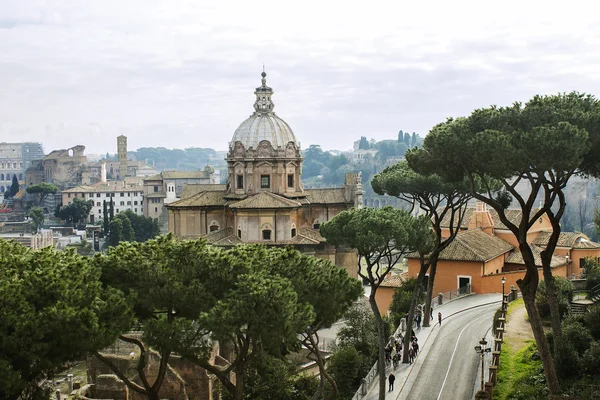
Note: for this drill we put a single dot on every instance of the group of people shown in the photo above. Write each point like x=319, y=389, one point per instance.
x=393, y=350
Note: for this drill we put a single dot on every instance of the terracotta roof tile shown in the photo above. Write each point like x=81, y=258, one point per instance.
x=109, y=187
x=513, y=215
x=567, y=239
x=312, y=234
x=394, y=281
x=265, y=200
x=515, y=257
x=203, y=199
x=190, y=189
x=326, y=196
x=465, y=221
x=585, y=244
x=156, y=195
x=473, y=245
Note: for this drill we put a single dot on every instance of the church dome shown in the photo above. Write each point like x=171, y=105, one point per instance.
x=263, y=124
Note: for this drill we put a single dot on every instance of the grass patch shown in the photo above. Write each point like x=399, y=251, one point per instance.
x=520, y=375
x=512, y=306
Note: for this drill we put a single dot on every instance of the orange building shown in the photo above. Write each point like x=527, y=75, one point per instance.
x=385, y=291
x=485, y=250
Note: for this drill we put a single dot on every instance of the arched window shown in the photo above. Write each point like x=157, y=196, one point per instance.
x=1, y=189
x=316, y=224
x=214, y=226
x=239, y=233
x=294, y=231
x=8, y=177
x=20, y=177
x=1, y=177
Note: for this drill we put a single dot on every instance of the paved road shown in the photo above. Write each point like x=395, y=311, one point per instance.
x=451, y=369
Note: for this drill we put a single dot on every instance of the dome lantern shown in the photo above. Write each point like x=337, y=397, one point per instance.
x=263, y=124
x=263, y=93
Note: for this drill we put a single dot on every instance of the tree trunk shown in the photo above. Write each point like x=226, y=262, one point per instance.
x=313, y=347
x=239, y=382
x=428, y=300
x=528, y=289
x=324, y=377
x=381, y=337
x=552, y=296
x=411, y=314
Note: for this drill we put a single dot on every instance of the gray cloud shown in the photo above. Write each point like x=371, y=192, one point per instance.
x=183, y=75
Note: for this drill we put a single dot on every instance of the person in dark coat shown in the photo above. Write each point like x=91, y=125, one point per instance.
x=440, y=318
x=415, y=346
x=391, y=380
x=411, y=355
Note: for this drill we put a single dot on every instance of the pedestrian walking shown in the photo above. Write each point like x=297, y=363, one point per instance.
x=415, y=346
x=411, y=355
x=431, y=312
x=418, y=321
x=440, y=318
x=391, y=380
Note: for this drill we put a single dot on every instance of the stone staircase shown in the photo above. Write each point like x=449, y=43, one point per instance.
x=580, y=305
x=577, y=308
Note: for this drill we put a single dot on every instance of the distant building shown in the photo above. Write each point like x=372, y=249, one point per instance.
x=361, y=156
x=64, y=168
x=15, y=158
x=167, y=186
x=33, y=241
x=125, y=196
x=134, y=169
x=122, y=156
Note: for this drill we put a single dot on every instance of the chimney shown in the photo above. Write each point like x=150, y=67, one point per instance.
x=482, y=219
x=103, y=171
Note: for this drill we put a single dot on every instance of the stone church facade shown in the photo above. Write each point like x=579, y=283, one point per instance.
x=264, y=200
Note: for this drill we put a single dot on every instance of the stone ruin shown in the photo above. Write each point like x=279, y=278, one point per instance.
x=183, y=380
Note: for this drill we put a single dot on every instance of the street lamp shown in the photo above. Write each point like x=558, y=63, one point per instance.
x=503, y=282
x=482, y=349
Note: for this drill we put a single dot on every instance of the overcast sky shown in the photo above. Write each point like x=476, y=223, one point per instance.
x=181, y=74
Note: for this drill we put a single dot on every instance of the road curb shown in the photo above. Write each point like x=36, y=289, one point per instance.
x=427, y=340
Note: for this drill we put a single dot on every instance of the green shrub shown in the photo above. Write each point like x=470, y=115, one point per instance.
x=567, y=360
x=590, y=362
x=592, y=321
x=577, y=334
x=344, y=367
x=563, y=287
x=271, y=378
x=592, y=272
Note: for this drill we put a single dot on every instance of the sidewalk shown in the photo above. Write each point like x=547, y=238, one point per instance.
x=406, y=373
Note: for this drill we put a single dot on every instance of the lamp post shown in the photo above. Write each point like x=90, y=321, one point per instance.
x=503, y=282
x=482, y=349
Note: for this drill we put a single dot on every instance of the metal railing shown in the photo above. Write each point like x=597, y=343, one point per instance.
x=443, y=297
x=585, y=391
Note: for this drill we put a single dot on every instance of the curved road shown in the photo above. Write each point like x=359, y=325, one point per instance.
x=451, y=369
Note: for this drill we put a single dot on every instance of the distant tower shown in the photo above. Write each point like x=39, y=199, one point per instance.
x=122, y=155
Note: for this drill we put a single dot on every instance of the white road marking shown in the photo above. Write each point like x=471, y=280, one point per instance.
x=454, y=352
